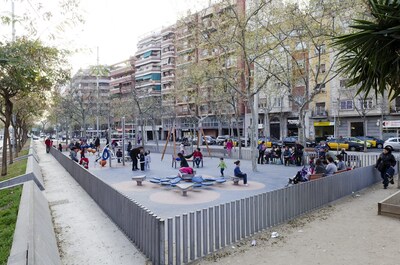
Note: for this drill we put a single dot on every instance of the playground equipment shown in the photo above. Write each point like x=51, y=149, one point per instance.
x=172, y=130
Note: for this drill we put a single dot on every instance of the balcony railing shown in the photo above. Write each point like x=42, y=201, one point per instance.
x=319, y=113
x=121, y=80
x=167, y=79
x=147, y=60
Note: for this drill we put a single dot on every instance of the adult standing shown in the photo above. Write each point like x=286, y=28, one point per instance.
x=229, y=146
x=48, y=143
x=298, y=153
x=134, y=156
x=261, y=152
x=97, y=144
x=385, y=161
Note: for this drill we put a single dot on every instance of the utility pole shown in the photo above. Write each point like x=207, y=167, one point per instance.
x=98, y=93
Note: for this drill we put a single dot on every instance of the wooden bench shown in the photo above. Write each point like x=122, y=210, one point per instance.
x=235, y=180
x=340, y=171
x=139, y=179
x=184, y=187
x=315, y=176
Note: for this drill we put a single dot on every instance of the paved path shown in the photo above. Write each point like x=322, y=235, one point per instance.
x=85, y=234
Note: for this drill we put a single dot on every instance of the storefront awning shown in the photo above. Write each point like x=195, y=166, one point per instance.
x=391, y=124
x=323, y=123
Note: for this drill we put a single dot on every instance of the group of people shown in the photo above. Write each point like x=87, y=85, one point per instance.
x=138, y=156
x=290, y=155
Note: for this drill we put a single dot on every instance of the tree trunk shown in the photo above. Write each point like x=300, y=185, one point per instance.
x=155, y=133
x=253, y=134
x=301, y=130
x=4, y=158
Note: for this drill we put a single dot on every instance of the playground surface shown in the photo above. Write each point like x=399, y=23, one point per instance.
x=166, y=201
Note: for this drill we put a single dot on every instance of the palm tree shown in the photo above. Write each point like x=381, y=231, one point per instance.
x=370, y=56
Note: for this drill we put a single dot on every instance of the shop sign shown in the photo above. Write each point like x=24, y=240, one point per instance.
x=323, y=123
x=293, y=122
x=391, y=124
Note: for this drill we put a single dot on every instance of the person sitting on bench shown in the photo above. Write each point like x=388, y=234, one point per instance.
x=183, y=160
x=197, y=157
x=238, y=173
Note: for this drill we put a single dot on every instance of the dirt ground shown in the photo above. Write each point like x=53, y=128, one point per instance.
x=348, y=231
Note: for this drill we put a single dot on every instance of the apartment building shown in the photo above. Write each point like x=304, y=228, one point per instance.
x=90, y=89
x=122, y=78
x=168, y=77
x=147, y=66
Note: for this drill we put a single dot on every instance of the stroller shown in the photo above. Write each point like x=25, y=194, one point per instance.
x=301, y=176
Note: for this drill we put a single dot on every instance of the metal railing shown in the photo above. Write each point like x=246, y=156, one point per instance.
x=197, y=234
x=190, y=236
x=144, y=228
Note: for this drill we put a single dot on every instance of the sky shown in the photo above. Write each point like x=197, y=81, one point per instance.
x=112, y=25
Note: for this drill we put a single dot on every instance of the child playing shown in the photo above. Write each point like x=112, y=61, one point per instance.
x=222, y=166
x=119, y=155
x=147, y=160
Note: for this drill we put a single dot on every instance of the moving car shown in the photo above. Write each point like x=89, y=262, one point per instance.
x=375, y=142
x=222, y=139
x=393, y=142
x=356, y=140
x=291, y=141
x=210, y=140
x=270, y=141
x=338, y=144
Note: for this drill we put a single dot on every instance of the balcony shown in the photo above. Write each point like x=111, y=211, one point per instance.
x=166, y=67
x=121, y=80
x=144, y=71
x=147, y=83
x=319, y=113
x=167, y=54
x=153, y=47
x=167, y=79
x=150, y=59
x=167, y=42
x=122, y=71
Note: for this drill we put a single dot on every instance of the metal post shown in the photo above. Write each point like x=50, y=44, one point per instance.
x=98, y=94
x=123, y=141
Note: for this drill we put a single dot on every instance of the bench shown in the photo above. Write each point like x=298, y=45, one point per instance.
x=315, y=176
x=340, y=171
x=184, y=187
x=235, y=180
x=139, y=179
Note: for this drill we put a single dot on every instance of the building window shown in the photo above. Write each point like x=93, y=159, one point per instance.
x=277, y=102
x=343, y=83
x=346, y=105
x=320, y=68
x=366, y=103
x=320, y=108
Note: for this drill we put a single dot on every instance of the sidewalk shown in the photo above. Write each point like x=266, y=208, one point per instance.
x=85, y=235
x=347, y=232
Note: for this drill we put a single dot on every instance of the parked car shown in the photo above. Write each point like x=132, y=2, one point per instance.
x=210, y=140
x=340, y=143
x=356, y=140
x=270, y=141
x=35, y=138
x=375, y=142
x=222, y=139
x=291, y=141
x=393, y=142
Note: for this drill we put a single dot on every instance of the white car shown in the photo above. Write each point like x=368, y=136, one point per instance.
x=393, y=142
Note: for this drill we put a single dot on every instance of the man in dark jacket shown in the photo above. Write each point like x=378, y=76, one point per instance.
x=134, y=156
x=384, y=163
